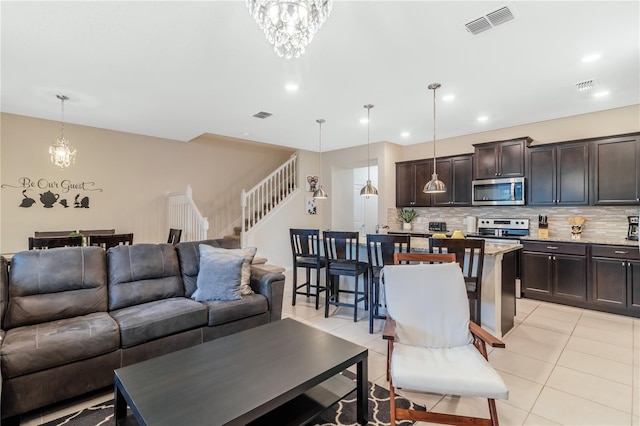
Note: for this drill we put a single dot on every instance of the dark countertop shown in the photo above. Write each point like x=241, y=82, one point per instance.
x=605, y=240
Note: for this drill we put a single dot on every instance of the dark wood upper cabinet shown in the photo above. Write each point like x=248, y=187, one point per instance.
x=500, y=159
x=558, y=174
x=456, y=173
x=616, y=170
x=411, y=176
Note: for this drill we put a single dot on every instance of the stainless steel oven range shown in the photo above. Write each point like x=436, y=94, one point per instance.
x=505, y=231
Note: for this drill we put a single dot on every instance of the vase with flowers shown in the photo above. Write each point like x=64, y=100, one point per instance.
x=406, y=216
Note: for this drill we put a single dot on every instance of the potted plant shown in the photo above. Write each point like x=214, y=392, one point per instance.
x=406, y=216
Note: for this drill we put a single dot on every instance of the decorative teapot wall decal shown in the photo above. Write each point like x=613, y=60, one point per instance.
x=49, y=199
x=26, y=201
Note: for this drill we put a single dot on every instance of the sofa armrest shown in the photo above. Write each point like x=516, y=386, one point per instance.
x=271, y=285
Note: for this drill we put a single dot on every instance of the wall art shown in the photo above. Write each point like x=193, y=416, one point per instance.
x=310, y=205
x=312, y=183
x=51, y=193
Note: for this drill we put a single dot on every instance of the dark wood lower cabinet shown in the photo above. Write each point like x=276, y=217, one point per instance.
x=615, y=279
x=592, y=276
x=555, y=272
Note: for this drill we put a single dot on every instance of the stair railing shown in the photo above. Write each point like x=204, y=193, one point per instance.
x=182, y=213
x=260, y=200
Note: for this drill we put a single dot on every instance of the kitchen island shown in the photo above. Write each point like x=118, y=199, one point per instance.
x=498, y=295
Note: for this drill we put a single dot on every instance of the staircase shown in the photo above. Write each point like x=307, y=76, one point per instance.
x=262, y=199
x=182, y=213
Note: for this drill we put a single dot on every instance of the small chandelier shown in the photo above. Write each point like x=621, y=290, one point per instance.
x=368, y=190
x=290, y=24
x=62, y=154
x=434, y=186
x=320, y=193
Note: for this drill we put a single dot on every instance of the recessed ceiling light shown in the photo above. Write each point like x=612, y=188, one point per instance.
x=448, y=98
x=291, y=87
x=592, y=57
x=405, y=134
x=483, y=118
x=245, y=134
x=600, y=94
x=363, y=121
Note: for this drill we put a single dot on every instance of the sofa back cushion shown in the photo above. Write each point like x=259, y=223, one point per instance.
x=142, y=273
x=54, y=284
x=189, y=257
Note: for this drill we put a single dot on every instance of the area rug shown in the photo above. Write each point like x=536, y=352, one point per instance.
x=341, y=414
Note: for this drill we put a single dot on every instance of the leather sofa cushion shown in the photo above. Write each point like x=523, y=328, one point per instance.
x=38, y=347
x=189, y=258
x=152, y=320
x=223, y=311
x=48, y=285
x=142, y=273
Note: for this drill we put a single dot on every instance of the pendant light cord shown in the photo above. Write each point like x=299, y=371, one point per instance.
x=434, y=130
x=368, y=107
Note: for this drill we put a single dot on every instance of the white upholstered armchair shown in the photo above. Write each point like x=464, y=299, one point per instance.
x=433, y=347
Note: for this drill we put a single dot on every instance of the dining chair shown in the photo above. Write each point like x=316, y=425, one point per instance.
x=380, y=251
x=470, y=256
x=174, y=236
x=433, y=346
x=305, y=248
x=342, y=251
x=54, y=242
x=108, y=241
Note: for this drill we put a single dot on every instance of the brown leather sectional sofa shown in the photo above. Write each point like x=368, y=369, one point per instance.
x=70, y=316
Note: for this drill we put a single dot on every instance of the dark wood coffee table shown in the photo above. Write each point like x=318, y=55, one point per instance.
x=282, y=373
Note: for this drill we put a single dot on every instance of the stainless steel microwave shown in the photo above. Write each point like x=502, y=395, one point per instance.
x=498, y=192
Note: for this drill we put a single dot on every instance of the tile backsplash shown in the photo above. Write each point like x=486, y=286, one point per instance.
x=602, y=221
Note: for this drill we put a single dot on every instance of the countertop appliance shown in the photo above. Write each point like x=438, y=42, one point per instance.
x=505, y=231
x=498, y=192
x=438, y=226
x=632, y=233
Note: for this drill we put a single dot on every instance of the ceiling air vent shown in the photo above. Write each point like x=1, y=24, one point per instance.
x=478, y=26
x=586, y=85
x=490, y=20
x=500, y=16
x=262, y=114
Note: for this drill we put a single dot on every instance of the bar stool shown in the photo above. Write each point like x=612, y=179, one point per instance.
x=380, y=250
x=342, y=252
x=470, y=256
x=305, y=247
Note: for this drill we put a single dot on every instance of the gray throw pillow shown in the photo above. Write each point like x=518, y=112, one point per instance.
x=247, y=254
x=219, y=277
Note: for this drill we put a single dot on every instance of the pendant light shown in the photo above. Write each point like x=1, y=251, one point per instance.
x=320, y=193
x=434, y=186
x=62, y=154
x=368, y=190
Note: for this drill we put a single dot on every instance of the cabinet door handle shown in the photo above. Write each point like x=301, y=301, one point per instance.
x=550, y=257
x=621, y=252
x=552, y=247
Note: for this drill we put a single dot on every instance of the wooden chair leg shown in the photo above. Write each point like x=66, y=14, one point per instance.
x=493, y=412
x=295, y=285
x=392, y=402
x=355, y=299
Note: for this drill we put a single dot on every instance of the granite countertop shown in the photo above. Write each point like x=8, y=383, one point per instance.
x=593, y=240
x=607, y=240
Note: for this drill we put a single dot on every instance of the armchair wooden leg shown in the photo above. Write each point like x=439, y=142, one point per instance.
x=493, y=412
x=392, y=402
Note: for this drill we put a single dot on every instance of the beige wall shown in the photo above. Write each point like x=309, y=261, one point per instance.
x=133, y=171
x=603, y=123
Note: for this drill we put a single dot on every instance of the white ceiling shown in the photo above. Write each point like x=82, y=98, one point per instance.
x=178, y=69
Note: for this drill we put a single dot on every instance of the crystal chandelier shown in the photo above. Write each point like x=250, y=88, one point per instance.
x=435, y=185
x=320, y=193
x=368, y=190
x=290, y=24
x=62, y=154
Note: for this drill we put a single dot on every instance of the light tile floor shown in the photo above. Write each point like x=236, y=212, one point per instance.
x=563, y=365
